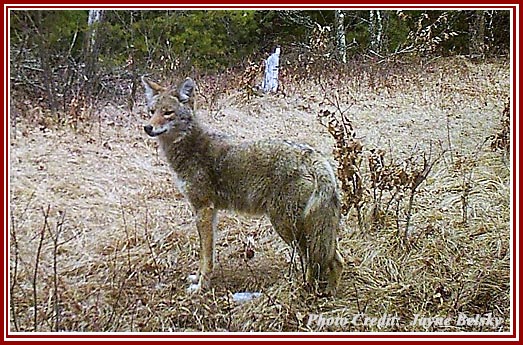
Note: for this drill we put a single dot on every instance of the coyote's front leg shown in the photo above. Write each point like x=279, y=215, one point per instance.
x=206, y=224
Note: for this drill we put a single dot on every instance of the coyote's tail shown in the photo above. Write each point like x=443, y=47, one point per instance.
x=322, y=221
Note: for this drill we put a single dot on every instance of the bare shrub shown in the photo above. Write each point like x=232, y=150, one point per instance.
x=501, y=140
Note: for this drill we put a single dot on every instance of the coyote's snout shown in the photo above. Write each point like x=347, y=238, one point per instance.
x=293, y=184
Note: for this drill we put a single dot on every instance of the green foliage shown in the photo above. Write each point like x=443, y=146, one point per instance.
x=212, y=38
x=202, y=39
x=55, y=30
x=358, y=30
x=398, y=31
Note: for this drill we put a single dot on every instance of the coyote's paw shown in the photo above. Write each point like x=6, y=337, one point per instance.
x=194, y=288
x=194, y=283
x=193, y=279
x=197, y=283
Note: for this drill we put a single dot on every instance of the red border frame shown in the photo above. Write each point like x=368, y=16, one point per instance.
x=270, y=4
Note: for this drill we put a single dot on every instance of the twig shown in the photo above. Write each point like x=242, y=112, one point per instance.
x=14, y=276
x=428, y=164
x=55, y=237
x=116, y=302
x=149, y=245
x=37, y=261
x=449, y=141
x=127, y=245
x=398, y=203
x=467, y=183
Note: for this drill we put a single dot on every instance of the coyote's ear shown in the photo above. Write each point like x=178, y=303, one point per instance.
x=186, y=91
x=151, y=90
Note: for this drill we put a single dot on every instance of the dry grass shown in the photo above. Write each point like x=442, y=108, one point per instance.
x=101, y=202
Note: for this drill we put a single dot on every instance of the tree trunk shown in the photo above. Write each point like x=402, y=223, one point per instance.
x=341, y=45
x=44, y=54
x=477, y=34
x=95, y=17
x=376, y=31
x=272, y=64
x=489, y=29
x=91, y=49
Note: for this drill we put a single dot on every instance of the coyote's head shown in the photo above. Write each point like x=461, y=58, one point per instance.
x=171, y=109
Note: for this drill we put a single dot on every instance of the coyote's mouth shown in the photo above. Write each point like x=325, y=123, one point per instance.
x=153, y=133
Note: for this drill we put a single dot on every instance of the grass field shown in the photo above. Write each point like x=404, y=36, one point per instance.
x=101, y=239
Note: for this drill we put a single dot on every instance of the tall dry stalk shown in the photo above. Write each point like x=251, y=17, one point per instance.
x=37, y=263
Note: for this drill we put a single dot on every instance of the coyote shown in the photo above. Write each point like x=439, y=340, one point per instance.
x=293, y=184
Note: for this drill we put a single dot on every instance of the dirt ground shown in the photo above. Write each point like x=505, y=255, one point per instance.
x=103, y=241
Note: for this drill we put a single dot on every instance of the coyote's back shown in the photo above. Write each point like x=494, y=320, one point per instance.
x=293, y=184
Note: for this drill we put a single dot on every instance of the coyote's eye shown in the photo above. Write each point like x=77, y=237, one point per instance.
x=167, y=113
x=151, y=111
